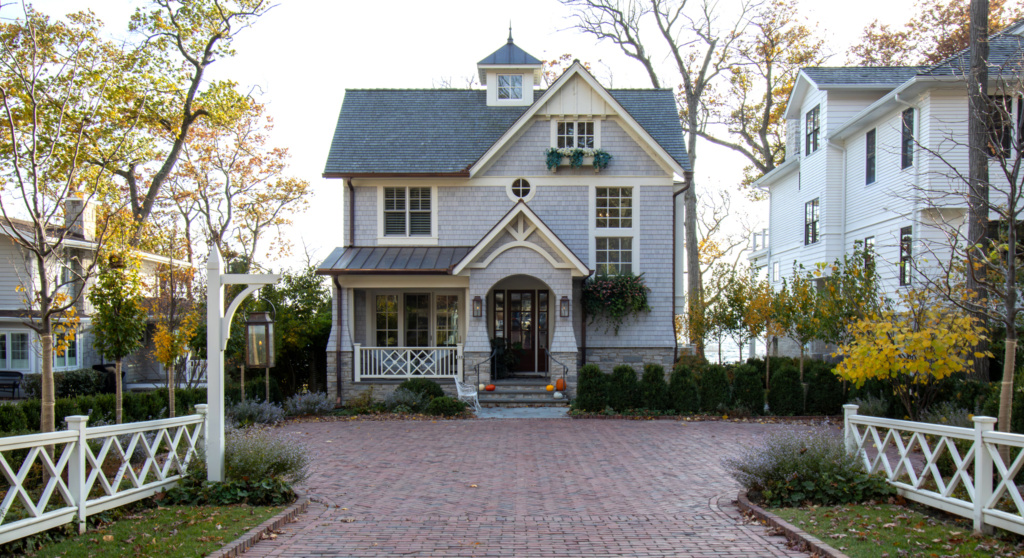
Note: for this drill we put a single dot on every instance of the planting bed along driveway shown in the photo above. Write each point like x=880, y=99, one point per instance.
x=522, y=488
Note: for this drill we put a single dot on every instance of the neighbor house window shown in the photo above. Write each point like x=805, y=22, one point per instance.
x=775, y=272
x=1000, y=125
x=14, y=350
x=869, y=158
x=906, y=241
x=614, y=255
x=65, y=351
x=869, y=252
x=510, y=87
x=812, y=213
x=614, y=208
x=907, y=139
x=813, y=128
x=575, y=134
x=407, y=212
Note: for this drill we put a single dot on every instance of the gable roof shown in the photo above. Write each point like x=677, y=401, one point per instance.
x=1005, y=55
x=861, y=76
x=446, y=131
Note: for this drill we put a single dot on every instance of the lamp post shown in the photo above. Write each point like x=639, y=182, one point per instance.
x=259, y=344
x=218, y=330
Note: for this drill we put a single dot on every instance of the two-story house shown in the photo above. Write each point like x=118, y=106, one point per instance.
x=870, y=159
x=19, y=344
x=460, y=237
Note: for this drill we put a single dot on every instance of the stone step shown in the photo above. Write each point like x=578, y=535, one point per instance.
x=509, y=402
x=523, y=390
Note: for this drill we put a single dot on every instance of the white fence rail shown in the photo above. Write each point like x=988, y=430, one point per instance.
x=959, y=470
x=407, y=362
x=92, y=469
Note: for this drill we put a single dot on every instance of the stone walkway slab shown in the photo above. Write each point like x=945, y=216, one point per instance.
x=495, y=488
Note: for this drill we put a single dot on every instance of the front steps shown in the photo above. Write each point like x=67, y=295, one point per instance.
x=521, y=393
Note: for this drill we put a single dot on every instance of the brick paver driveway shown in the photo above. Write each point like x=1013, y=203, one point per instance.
x=522, y=488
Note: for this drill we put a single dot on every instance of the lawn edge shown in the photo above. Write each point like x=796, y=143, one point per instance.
x=255, y=535
x=794, y=534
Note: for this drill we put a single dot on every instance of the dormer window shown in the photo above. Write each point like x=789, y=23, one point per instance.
x=510, y=87
x=575, y=134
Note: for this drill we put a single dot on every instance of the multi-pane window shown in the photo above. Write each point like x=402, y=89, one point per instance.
x=65, y=351
x=775, y=272
x=510, y=86
x=1000, y=125
x=387, y=320
x=14, y=350
x=907, y=139
x=614, y=208
x=407, y=212
x=906, y=242
x=446, y=317
x=869, y=157
x=614, y=255
x=575, y=134
x=869, y=252
x=812, y=213
x=520, y=188
x=813, y=128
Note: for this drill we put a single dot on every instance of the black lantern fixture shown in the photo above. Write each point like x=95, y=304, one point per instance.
x=478, y=307
x=259, y=340
x=563, y=307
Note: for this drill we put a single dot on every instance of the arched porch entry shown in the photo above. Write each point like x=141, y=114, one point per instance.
x=520, y=325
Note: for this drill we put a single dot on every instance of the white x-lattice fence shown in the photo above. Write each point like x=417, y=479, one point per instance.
x=91, y=469
x=959, y=470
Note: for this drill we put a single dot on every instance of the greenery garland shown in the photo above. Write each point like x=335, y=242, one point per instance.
x=615, y=297
x=553, y=157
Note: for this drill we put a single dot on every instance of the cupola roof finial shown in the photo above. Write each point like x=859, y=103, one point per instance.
x=510, y=31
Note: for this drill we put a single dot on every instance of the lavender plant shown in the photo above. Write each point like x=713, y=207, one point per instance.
x=255, y=412
x=402, y=397
x=308, y=404
x=255, y=454
x=794, y=467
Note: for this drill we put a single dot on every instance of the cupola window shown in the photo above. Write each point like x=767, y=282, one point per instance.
x=510, y=86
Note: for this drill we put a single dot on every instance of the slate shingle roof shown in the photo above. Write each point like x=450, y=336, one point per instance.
x=445, y=131
x=1005, y=56
x=890, y=76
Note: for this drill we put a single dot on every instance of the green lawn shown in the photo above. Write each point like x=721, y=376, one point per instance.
x=168, y=532
x=889, y=530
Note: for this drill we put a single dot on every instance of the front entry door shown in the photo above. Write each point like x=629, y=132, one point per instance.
x=527, y=327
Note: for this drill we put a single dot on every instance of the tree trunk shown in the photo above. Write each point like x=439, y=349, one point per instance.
x=170, y=391
x=241, y=382
x=1006, y=393
x=267, y=370
x=767, y=361
x=801, y=363
x=694, y=290
x=117, y=391
x=46, y=419
x=977, y=130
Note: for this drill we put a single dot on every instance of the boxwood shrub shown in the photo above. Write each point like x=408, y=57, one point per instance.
x=591, y=389
x=12, y=419
x=445, y=406
x=653, y=389
x=682, y=390
x=429, y=388
x=623, y=388
x=825, y=392
x=748, y=388
x=714, y=389
x=786, y=393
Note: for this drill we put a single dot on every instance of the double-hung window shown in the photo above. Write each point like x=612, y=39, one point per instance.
x=65, y=351
x=869, y=157
x=614, y=231
x=813, y=130
x=1000, y=125
x=869, y=252
x=906, y=243
x=812, y=213
x=510, y=87
x=575, y=134
x=407, y=212
x=907, y=139
x=14, y=350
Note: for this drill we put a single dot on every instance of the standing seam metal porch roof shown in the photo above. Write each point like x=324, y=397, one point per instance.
x=402, y=260
x=446, y=131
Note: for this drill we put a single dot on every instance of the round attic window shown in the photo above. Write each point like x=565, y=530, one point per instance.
x=520, y=189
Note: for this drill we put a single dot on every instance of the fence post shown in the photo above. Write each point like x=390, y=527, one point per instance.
x=356, y=362
x=849, y=434
x=202, y=411
x=982, y=472
x=459, y=362
x=76, y=467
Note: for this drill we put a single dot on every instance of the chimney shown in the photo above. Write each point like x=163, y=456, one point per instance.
x=80, y=217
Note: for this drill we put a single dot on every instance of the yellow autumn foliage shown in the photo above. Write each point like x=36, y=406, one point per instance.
x=170, y=344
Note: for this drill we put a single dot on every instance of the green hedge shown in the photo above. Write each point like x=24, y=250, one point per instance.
x=825, y=392
x=714, y=389
x=623, y=388
x=683, y=392
x=255, y=390
x=786, y=393
x=591, y=389
x=71, y=383
x=653, y=389
x=748, y=389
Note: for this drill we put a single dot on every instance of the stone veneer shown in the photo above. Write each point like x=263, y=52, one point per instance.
x=608, y=358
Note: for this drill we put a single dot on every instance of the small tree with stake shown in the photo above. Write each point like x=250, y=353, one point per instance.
x=119, y=317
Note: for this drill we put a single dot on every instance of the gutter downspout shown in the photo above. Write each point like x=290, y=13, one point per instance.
x=337, y=342
x=350, y=237
x=687, y=180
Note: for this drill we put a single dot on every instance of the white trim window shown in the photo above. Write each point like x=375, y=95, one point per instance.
x=510, y=87
x=408, y=215
x=614, y=208
x=66, y=358
x=614, y=230
x=614, y=255
x=570, y=134
x=14, y=350
x=414, y=318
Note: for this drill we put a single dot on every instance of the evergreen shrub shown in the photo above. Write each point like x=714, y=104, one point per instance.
x=714, y=389
x=786, y=393
x=653, y=389
x=445, y=406
x=683, y=392
x=12, y=419
x=748, y=389
x=623, y=388
x=825, y=392
x=429, y=388
x=591, y=389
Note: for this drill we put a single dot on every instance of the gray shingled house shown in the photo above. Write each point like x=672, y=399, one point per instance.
x=461, y=238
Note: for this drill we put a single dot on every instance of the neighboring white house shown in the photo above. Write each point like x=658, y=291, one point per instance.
x=862, y=164
x=19, y=345
x=458, y=233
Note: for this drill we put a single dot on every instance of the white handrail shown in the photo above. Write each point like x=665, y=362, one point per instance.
x=407, y=362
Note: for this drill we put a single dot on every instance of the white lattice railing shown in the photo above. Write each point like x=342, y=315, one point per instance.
x=93, y=469
x=406, y=362
x=959, y=470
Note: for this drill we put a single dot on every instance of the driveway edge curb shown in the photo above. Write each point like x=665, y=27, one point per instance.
x=256, y=534
x=802, y=538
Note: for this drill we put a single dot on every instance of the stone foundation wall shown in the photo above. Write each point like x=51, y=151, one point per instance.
x=571, y=373
x=608, y=358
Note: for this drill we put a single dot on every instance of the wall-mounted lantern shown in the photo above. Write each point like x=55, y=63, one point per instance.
x=259, y=340
x=563, y=307
x=478, y=307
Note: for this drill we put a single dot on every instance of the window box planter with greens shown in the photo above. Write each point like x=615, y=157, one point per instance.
x=576, y=157
x=613, y=298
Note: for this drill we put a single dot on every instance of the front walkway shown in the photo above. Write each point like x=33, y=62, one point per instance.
x=522, y=488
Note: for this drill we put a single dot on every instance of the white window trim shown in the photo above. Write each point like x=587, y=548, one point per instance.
x=527, y=197
x=597, y=128
x=522, y=88
x=370, y=325
x=594, y=232
x=78, y=355
x=407, y=240
x=5, y=364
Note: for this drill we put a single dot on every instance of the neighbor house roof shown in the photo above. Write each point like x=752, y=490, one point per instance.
x=861, y=76
x=404, y=260
x=1005, y=56
x=445, y=131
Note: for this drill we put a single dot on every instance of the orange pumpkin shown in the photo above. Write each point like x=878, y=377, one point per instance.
x=550, y=387
x=490, y=387
x=560, y=384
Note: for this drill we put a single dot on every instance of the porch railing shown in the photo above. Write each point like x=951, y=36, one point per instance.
x=91, y=469
x=554, y=363
x=958, y=470
x=407, y=362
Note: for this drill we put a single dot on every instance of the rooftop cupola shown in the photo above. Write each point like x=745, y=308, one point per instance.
x=510, y=74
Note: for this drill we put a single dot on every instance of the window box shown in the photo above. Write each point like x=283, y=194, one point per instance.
x=576, y=157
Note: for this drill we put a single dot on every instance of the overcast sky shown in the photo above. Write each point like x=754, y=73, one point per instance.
x=303, y=54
